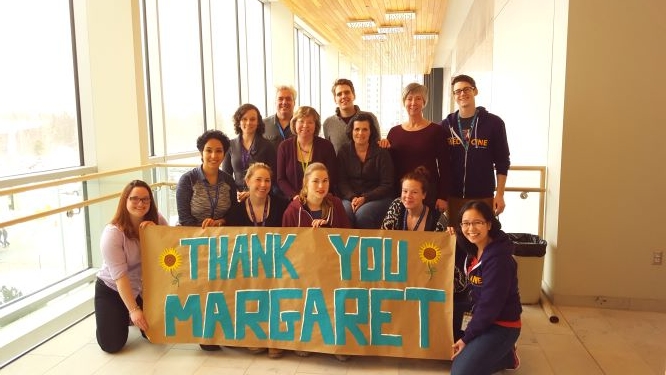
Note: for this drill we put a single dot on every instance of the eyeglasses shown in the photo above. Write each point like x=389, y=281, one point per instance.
x=136, y=200
x=466, y=90
x=475, y=223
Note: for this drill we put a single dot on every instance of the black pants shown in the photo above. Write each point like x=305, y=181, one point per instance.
x=112, y=318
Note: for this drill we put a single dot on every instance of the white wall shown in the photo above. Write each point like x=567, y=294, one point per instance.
x=578, y=83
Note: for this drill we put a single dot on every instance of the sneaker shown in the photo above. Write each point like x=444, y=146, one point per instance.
x=516, y=359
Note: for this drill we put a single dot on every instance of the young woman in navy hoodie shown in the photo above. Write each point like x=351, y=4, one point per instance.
x=491, y=332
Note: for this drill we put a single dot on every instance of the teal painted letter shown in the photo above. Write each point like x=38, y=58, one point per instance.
x=174, y=310
x=350, y=321
x=379, y=317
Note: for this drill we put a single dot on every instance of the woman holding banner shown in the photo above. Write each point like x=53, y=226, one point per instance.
x=493, y=327
x=409, y=211
x=260, y=208
x=205, y=194
x=315, y=207
x=118, y=288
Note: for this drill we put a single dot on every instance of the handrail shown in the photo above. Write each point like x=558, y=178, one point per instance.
x=88, y=202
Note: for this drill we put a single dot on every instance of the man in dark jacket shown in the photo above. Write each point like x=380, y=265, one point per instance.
x=479, y=151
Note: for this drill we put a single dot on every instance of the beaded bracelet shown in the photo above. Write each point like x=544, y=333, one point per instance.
x=135, y=308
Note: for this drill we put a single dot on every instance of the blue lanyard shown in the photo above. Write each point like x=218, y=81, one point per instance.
x=416, y=227
x=254, y=218
x=465, y=140
x=279, y=126
x=245, y=154
x=213, y=201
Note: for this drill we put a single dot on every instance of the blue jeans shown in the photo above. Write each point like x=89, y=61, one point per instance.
x=369, y=215
x=488, y=353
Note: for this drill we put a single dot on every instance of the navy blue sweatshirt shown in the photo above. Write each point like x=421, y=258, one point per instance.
x=494, y=287
x=473, y=170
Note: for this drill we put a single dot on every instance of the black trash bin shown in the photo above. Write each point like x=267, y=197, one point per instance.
x=529, y=253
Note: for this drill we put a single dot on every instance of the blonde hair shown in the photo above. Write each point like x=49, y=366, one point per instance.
x=326, y=205
x=302, y=112
x=415, y=88
x=258, y=165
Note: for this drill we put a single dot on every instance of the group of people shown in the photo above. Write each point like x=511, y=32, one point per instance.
x=278, y=171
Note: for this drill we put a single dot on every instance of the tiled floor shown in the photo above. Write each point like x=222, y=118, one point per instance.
x=586, y=341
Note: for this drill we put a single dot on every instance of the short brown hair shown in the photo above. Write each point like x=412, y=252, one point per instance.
x=306, y=111
x=415, y=88
x=343, y=81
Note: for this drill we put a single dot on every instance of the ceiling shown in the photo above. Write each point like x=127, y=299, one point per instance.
x=400, y=53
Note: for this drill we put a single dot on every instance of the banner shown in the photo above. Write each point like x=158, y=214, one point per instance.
x=339, y=291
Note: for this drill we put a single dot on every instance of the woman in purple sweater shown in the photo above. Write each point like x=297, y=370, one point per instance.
x=493, y=327
x=296, y=153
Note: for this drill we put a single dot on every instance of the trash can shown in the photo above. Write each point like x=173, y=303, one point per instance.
x=529, y=253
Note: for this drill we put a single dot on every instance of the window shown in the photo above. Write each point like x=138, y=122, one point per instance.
x=308, y=69
x=39, y=127
x=174, y=50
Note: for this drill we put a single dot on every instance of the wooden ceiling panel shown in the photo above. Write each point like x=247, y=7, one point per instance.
x=329, y=18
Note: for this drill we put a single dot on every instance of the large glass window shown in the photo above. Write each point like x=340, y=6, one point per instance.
x=224, y=37
x=205, y=57
x=308, y=69
x=174, y=47
x=38, y=111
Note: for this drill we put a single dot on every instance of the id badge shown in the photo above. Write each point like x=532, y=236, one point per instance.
x=467, y=317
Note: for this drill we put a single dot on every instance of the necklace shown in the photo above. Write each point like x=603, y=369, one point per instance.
x=253, y=217
x=418, y=223
x=305, y=155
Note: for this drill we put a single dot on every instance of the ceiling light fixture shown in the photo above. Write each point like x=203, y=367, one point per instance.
x=361, y=24
x=400, y=15
x=425, y=36
x=390, y=29
x=374, y=36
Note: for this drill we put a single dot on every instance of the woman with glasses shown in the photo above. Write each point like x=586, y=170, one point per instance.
x=118, y=288
x=249, y=147
x=493, y=327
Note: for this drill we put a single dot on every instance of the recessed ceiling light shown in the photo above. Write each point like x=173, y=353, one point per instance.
x=374, y=36
x=361, y=24
x=401, y=15
x=425, y=36
x=390, y=29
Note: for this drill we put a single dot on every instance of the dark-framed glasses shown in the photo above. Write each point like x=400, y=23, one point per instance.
x=136, y=200
x=466, y=90
x=475, y=223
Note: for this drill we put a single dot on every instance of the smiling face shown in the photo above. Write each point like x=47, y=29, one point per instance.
x=305, y=127
x=475, y=228
x=465, y=94
x=259, y=183
x=361, y=132
x=284, y=103
x=412, y=194
x=344, y=98
x=414, y=103
x=212, y=154
x=138, y=202
x=317, y=185
x=249, y=122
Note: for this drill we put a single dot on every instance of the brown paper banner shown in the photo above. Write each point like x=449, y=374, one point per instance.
x=341, y=291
